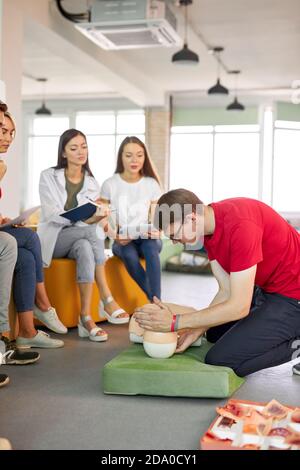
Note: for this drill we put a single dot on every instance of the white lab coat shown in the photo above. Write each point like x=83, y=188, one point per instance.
x=53, y=196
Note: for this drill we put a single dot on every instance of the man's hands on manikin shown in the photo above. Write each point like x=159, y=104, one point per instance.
x=187, y=338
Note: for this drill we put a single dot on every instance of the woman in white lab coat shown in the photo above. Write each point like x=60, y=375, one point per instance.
x=64, y=187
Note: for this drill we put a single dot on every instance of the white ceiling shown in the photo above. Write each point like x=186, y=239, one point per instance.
x=65, y=77
x=260, y=37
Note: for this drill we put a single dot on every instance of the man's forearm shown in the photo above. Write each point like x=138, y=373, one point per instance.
x=221, y=296
x=214, y=315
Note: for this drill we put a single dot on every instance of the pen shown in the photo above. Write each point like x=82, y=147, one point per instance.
x=110, y=208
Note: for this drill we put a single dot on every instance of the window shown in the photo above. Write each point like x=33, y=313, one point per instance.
x=130, y=123
x=96, y=123
x=216, y=162
x=104, y=130
x=42, y=151
x=236, y=163
x=191, y=163
x=286, y=188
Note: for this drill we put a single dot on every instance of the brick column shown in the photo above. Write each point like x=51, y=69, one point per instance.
x=158, y=122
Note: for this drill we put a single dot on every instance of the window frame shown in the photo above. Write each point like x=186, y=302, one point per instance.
x=71, y=114
x=215, y=130
x=289, y=126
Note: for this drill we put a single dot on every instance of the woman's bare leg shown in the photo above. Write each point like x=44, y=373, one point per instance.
x=105, y=291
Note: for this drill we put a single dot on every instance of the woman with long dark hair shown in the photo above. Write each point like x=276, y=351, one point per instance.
x=133, y=190
x=68, y=185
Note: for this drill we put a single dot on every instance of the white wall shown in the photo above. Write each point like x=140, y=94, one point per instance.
x=2, y=84
x=11, y=73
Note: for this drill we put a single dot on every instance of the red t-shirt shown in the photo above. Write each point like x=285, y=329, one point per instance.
x=249, y=232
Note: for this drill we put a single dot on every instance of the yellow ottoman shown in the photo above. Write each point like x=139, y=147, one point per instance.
x=124, y=289
x=63, y=292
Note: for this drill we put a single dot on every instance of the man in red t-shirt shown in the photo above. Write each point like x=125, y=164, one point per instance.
x=254, y=319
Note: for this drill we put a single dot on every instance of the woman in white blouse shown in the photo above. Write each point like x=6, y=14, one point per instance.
x=133, y=191
x=64, y=187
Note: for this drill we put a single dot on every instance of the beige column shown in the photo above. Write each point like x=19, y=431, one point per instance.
x=11, y=52
x=2, y=84
x=158, y=123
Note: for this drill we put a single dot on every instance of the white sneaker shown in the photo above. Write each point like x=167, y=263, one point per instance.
x=40, y=340
x=296, y=369
x=50, y=319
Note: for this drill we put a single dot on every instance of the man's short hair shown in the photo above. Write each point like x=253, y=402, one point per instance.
x=3, y=107
x=174, y=206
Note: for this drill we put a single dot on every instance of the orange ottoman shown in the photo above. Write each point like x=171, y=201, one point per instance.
x=63, y=292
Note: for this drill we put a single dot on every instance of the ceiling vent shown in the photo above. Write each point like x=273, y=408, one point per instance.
x=131, y=24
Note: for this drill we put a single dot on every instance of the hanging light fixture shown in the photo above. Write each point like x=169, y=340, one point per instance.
x=43, y=110
x=185, y=56
x=235, y=105
x=218, y=89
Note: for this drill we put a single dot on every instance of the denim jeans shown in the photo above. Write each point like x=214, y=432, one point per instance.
x=8, y=258
x=149, y=280
x=29, y=267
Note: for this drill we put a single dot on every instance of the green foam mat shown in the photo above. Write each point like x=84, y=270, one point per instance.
x=183, y=375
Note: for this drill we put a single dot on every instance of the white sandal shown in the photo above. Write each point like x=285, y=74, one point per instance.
x=113, y=318
x=92, y=334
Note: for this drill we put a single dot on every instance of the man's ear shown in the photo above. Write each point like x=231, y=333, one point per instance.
x=191, y=217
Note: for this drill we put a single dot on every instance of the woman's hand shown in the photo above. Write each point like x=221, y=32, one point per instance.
x=91, y=220
x=154, y=234
x=7, y=220
x=22, y=224
x=4, y=220
x=104, y=209
x=101, y=213
x=3, y=169
x=99, y=201
x=123, y=241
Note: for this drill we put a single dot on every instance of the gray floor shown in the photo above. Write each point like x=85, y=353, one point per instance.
x=58, y=403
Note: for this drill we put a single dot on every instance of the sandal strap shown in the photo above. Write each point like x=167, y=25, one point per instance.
x=85, y=318
x=108, y=300
x=94, y=331
x=118, y=312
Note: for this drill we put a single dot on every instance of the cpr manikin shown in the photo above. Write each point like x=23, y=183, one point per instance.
x=156, y=344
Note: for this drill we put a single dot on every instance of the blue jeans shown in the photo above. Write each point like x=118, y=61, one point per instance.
x=149, y=280
x=28, y=269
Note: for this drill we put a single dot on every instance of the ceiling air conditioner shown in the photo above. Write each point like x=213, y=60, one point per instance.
x=131, y=24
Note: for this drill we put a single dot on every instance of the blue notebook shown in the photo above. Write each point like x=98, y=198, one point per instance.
x=81, y=212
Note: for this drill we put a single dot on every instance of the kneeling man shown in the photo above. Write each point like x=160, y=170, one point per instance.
x=254, y=319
